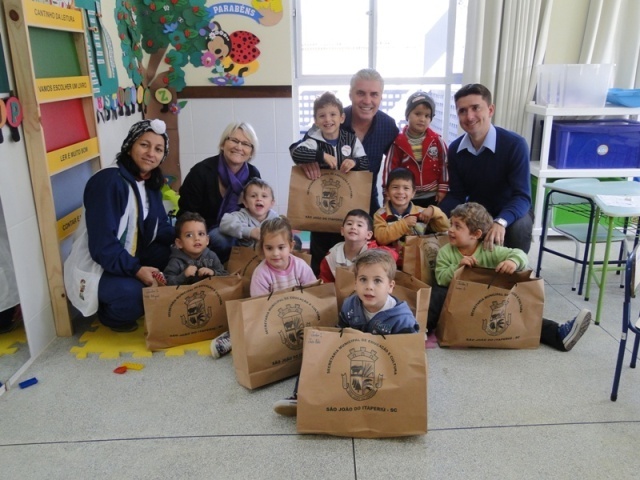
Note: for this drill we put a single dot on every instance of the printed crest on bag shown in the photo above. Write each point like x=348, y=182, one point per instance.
x=198, y=315
x=498, y=322
x=291, y=317
x=330, y=201
x=361, y=382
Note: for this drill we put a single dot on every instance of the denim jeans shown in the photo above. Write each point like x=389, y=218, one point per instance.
x=221, y=244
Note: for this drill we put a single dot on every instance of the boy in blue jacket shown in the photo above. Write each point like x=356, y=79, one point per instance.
x=372, y=309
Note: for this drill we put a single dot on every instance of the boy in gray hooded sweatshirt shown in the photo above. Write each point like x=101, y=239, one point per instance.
x=190, y=259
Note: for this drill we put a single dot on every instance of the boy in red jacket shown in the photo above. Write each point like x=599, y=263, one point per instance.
x=421, y=151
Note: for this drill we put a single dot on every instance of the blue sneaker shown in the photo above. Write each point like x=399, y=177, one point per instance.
x=571, y=331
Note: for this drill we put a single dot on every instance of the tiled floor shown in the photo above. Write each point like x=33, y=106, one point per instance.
x=492, y=414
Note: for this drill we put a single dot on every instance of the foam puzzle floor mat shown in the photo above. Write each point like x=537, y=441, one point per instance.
x=9, y=341
x=109, y=345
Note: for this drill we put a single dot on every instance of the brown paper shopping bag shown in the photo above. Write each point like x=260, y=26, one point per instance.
x=417, y=294
x=266, y=332
x=188, y=313
x=320, y=205
x=303, y=254
x=420, y=253
x=345, y=282
x=487, y=309
x=244, y=260
x=408, y=289
x=355, y=384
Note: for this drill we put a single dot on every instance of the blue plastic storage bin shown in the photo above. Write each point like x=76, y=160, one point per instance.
x=626, y=97
x=610, y=143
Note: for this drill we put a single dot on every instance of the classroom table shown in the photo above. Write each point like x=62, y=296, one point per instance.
x=612, y=200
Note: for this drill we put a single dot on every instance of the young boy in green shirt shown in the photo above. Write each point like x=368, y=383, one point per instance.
x=469, y=224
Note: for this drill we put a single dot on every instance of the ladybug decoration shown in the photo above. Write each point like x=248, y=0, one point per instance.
x=233, y=56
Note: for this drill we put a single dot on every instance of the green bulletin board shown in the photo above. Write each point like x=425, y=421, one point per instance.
x=102, y=67
x=50, y=50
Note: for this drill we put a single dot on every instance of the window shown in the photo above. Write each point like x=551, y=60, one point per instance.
x=414, y=44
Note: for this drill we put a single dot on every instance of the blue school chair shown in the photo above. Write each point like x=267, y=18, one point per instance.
x=631, y=282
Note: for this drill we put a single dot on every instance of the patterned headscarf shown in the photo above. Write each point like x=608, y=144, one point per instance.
x=137, y=129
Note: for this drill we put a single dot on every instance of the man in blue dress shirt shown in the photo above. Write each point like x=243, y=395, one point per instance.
x=490, y=165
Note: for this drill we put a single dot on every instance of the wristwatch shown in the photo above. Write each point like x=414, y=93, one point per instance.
x=501, y=221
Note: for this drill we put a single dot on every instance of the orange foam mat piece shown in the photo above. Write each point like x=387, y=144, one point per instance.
x=109, y=345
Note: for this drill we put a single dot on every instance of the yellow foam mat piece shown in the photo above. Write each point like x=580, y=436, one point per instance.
x=111, y=345
x=8, y=340
x=132, y=366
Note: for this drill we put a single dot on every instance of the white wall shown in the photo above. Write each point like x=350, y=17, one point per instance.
x=568, y=19
x=22, y=228
x=111, y=135
x=24, y=239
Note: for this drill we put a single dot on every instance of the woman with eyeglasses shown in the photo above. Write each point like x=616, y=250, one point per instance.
x=214, y=186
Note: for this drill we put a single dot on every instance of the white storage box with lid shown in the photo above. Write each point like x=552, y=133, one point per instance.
x=573, y=85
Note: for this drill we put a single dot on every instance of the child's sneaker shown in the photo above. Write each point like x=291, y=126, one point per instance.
x=221, y=345
x=571, y=331
x=287, y=406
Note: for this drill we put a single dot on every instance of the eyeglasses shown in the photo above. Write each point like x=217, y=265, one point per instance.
x=235, y=141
